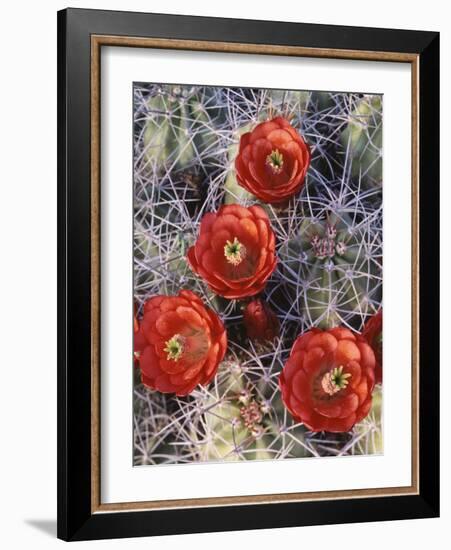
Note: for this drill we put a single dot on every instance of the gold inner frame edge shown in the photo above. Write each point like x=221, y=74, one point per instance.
x=97, y=41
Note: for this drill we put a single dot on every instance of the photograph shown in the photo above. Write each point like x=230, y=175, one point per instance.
x=257, y=274
x=248, y=273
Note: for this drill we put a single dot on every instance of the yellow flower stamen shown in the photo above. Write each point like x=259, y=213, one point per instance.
x=335, y=380
x=234, y=252
x=275, y=161
x=174, y=348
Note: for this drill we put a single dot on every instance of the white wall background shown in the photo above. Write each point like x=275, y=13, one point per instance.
x=28, y=271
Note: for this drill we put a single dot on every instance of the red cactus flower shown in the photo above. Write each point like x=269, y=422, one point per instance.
x=328, y=380
x=272, y=161
x=260, y=321
x=372, y=331
x=139, y=340
x=234, y=252
x=185, y=342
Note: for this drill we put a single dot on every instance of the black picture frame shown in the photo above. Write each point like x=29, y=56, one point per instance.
x=76, y=520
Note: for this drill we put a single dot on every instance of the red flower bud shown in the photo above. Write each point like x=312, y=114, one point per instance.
x=372, y=331
x=260, y=321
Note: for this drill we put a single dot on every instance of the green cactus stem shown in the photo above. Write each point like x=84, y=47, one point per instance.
x=180, y=127
x=331, y=271
x=363, y=137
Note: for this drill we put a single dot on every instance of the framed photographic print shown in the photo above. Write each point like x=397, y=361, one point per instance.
x=248, y=274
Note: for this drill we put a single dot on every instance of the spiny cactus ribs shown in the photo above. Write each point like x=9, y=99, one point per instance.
x=267, y=205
